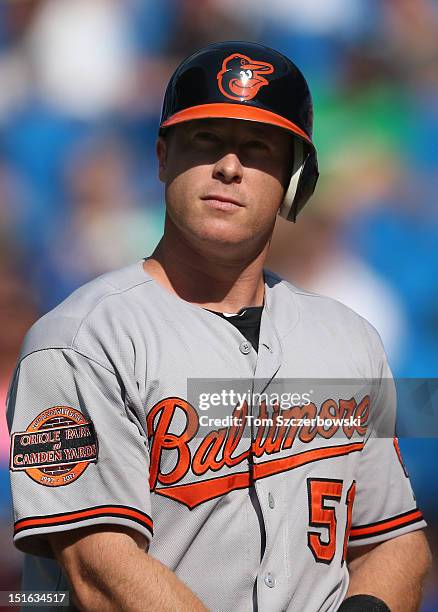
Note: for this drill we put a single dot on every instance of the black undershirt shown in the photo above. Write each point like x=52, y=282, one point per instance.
x=247, y=321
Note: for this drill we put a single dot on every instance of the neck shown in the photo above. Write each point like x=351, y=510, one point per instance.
x=210, y=277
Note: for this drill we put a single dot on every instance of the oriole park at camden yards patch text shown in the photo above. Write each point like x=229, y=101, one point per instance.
x=56, y=448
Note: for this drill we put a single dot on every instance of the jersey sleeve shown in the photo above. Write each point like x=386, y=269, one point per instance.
x=79, y=453
x=384, y=505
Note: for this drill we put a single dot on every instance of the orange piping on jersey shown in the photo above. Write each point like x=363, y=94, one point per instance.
x=195, y=493
x=221, y=110
x=399, y=455
x=386, y=525
x=59, y=519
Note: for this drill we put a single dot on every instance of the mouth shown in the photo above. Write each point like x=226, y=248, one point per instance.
x=221, y=202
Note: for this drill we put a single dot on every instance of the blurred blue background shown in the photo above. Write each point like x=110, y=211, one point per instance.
x=81, y=88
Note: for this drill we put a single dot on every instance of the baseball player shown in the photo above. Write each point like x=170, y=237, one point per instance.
x=131, y=488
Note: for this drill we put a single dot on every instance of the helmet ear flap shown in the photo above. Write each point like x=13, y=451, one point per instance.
x=302, y=182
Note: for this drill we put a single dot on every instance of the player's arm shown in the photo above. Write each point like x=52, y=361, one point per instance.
x=108, y=496
x=388, y=555
x=393, y=570
x=108, y=569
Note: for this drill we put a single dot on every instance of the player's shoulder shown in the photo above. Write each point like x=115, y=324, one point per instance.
x=94, y=305
x=319, y=310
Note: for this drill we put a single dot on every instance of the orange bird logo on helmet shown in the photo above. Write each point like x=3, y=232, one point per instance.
x=240, y=77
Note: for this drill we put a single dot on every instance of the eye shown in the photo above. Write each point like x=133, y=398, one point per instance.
x=245, y=75
x=204, y=136
x=257, y=145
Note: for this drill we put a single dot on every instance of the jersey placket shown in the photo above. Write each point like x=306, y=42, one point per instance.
x=263, y=498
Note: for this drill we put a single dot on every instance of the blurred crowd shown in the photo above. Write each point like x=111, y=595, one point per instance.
x=81, y=89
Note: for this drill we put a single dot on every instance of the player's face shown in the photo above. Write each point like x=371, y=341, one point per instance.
x=225, y=179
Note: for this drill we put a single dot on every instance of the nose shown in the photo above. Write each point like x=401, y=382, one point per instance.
x=228, y=169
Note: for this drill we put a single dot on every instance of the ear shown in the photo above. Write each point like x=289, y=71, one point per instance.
x=161, y=150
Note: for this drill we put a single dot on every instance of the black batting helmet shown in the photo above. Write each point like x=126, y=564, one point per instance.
x=245, y=80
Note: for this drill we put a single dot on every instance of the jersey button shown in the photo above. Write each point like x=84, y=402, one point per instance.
x=245, y=348
x=271, y=501
x=270, y=581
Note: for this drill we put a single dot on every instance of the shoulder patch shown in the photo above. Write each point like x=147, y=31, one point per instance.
x=56, y=448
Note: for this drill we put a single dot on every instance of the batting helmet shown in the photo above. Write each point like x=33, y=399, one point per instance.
x=245, y=80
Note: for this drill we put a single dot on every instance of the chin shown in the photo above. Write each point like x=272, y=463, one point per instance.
x=224, y=238
x=225, y=231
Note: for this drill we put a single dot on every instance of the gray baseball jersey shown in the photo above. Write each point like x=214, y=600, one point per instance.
x=106, y=430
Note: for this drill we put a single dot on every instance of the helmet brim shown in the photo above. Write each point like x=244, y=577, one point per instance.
x=234, y=111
